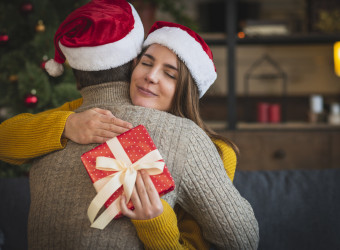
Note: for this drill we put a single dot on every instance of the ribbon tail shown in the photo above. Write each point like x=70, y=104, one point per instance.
x=107, y=216
x=102, y=196
x=129, y=183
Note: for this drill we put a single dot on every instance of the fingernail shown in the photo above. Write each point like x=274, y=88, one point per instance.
x=130, y=126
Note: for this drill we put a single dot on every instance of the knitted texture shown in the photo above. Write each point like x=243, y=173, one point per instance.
x=189, y=237
x=61, y=189
x=18, y=147
x=153, y=236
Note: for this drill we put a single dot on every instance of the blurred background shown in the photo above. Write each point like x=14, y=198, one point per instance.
x=277, y=97
x=277, y=93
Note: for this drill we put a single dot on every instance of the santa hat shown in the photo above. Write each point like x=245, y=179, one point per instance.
x=189, y=47
x=100, y=35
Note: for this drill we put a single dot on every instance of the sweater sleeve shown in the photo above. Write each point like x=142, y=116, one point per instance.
x=162, y=232
x=31, y=135
x=227, y=220
x=228, y=157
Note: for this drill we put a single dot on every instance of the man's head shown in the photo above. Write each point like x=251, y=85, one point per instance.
x=99, y=36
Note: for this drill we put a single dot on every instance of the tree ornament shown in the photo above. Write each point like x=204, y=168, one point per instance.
x=45, y=58
x=13, y=78
x=31, y=100
x=40, y=27
x=26, y=7
x=3, y=38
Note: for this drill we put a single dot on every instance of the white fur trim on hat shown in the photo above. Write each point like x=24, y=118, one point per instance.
x=189, y=51
x=108, y=55
x=53, y=68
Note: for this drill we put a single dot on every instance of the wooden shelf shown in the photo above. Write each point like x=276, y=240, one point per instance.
x=288, y=126
x=277, y=40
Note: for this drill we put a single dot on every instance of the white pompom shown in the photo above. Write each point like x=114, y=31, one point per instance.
x=53, y=68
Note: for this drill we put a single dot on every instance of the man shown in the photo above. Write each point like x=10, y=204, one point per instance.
x=99, y=40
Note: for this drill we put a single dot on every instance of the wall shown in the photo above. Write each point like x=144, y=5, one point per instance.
x=309, y=69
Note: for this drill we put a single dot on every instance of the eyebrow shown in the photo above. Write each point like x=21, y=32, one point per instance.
x=166, y=65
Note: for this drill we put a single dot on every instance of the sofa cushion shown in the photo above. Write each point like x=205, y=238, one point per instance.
x=296, y=209
x=14, y=206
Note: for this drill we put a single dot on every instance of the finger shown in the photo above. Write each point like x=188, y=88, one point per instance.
x=141, y=190
x=99, y=139
x=114, y=128
x=150, y=188
x=124, y=209
x=105, y=133
x=108, y=117
x=104, y=112
x=118, y=122
x=135, y=199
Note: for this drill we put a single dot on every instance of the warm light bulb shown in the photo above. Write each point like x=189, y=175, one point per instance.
x=337, y=58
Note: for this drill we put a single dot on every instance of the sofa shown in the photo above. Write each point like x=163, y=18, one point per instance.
x=295, y=209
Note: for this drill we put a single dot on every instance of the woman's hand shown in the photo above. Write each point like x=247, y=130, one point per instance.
x=94, y=126
x=145, y=199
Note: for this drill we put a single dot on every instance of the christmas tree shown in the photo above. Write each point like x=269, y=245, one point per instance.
x=27, y=29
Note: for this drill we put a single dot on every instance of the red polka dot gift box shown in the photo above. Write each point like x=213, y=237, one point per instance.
x=113, y=166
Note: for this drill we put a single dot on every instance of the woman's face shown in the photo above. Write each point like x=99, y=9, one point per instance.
x=153, y=81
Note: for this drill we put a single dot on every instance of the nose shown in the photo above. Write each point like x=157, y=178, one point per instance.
x=152, y=76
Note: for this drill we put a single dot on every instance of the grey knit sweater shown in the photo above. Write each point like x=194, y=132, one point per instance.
x=61, y=189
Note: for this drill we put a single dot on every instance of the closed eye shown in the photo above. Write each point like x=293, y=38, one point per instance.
x=146, y=64
x=170, y=75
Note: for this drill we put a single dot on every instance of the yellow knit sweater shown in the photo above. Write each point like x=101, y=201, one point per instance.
x=24, y=141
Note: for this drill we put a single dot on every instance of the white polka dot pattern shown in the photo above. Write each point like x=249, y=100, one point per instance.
x=136, y=143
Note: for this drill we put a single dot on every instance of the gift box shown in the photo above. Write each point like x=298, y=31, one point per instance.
x=131, y=150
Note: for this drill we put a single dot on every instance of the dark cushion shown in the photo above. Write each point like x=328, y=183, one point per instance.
x=297, y=209
x=14, y=207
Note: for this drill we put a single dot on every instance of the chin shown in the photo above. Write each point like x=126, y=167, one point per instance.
x=143, y=103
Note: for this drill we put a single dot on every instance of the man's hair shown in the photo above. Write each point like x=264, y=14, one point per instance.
x=90, y=78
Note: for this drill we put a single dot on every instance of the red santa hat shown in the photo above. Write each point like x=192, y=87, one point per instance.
x=189, y=47
x=100, y=35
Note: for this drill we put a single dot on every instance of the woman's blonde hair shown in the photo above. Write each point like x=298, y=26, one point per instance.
x=186, y=102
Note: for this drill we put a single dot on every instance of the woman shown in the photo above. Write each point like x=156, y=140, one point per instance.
x=176, y=93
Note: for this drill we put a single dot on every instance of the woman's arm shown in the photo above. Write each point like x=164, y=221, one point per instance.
x=28, y=136
x=156, y=222
x=180, y=228
x=27, y=129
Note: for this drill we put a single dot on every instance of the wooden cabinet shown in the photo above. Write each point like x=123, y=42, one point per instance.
x=235, y=14
x=287, y=149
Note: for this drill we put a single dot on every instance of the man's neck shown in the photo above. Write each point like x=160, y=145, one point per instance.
x=105, y=93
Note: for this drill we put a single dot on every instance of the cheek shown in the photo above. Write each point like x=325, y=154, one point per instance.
x=170, y=90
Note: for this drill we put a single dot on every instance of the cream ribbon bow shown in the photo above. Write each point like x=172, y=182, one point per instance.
x=126, y=175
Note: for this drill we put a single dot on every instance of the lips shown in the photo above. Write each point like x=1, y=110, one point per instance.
x=146, y=92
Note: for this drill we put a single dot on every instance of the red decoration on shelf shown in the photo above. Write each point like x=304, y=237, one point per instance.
x=262, y=112
x=31, y=101
x=274, y=113
x=26, y=7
